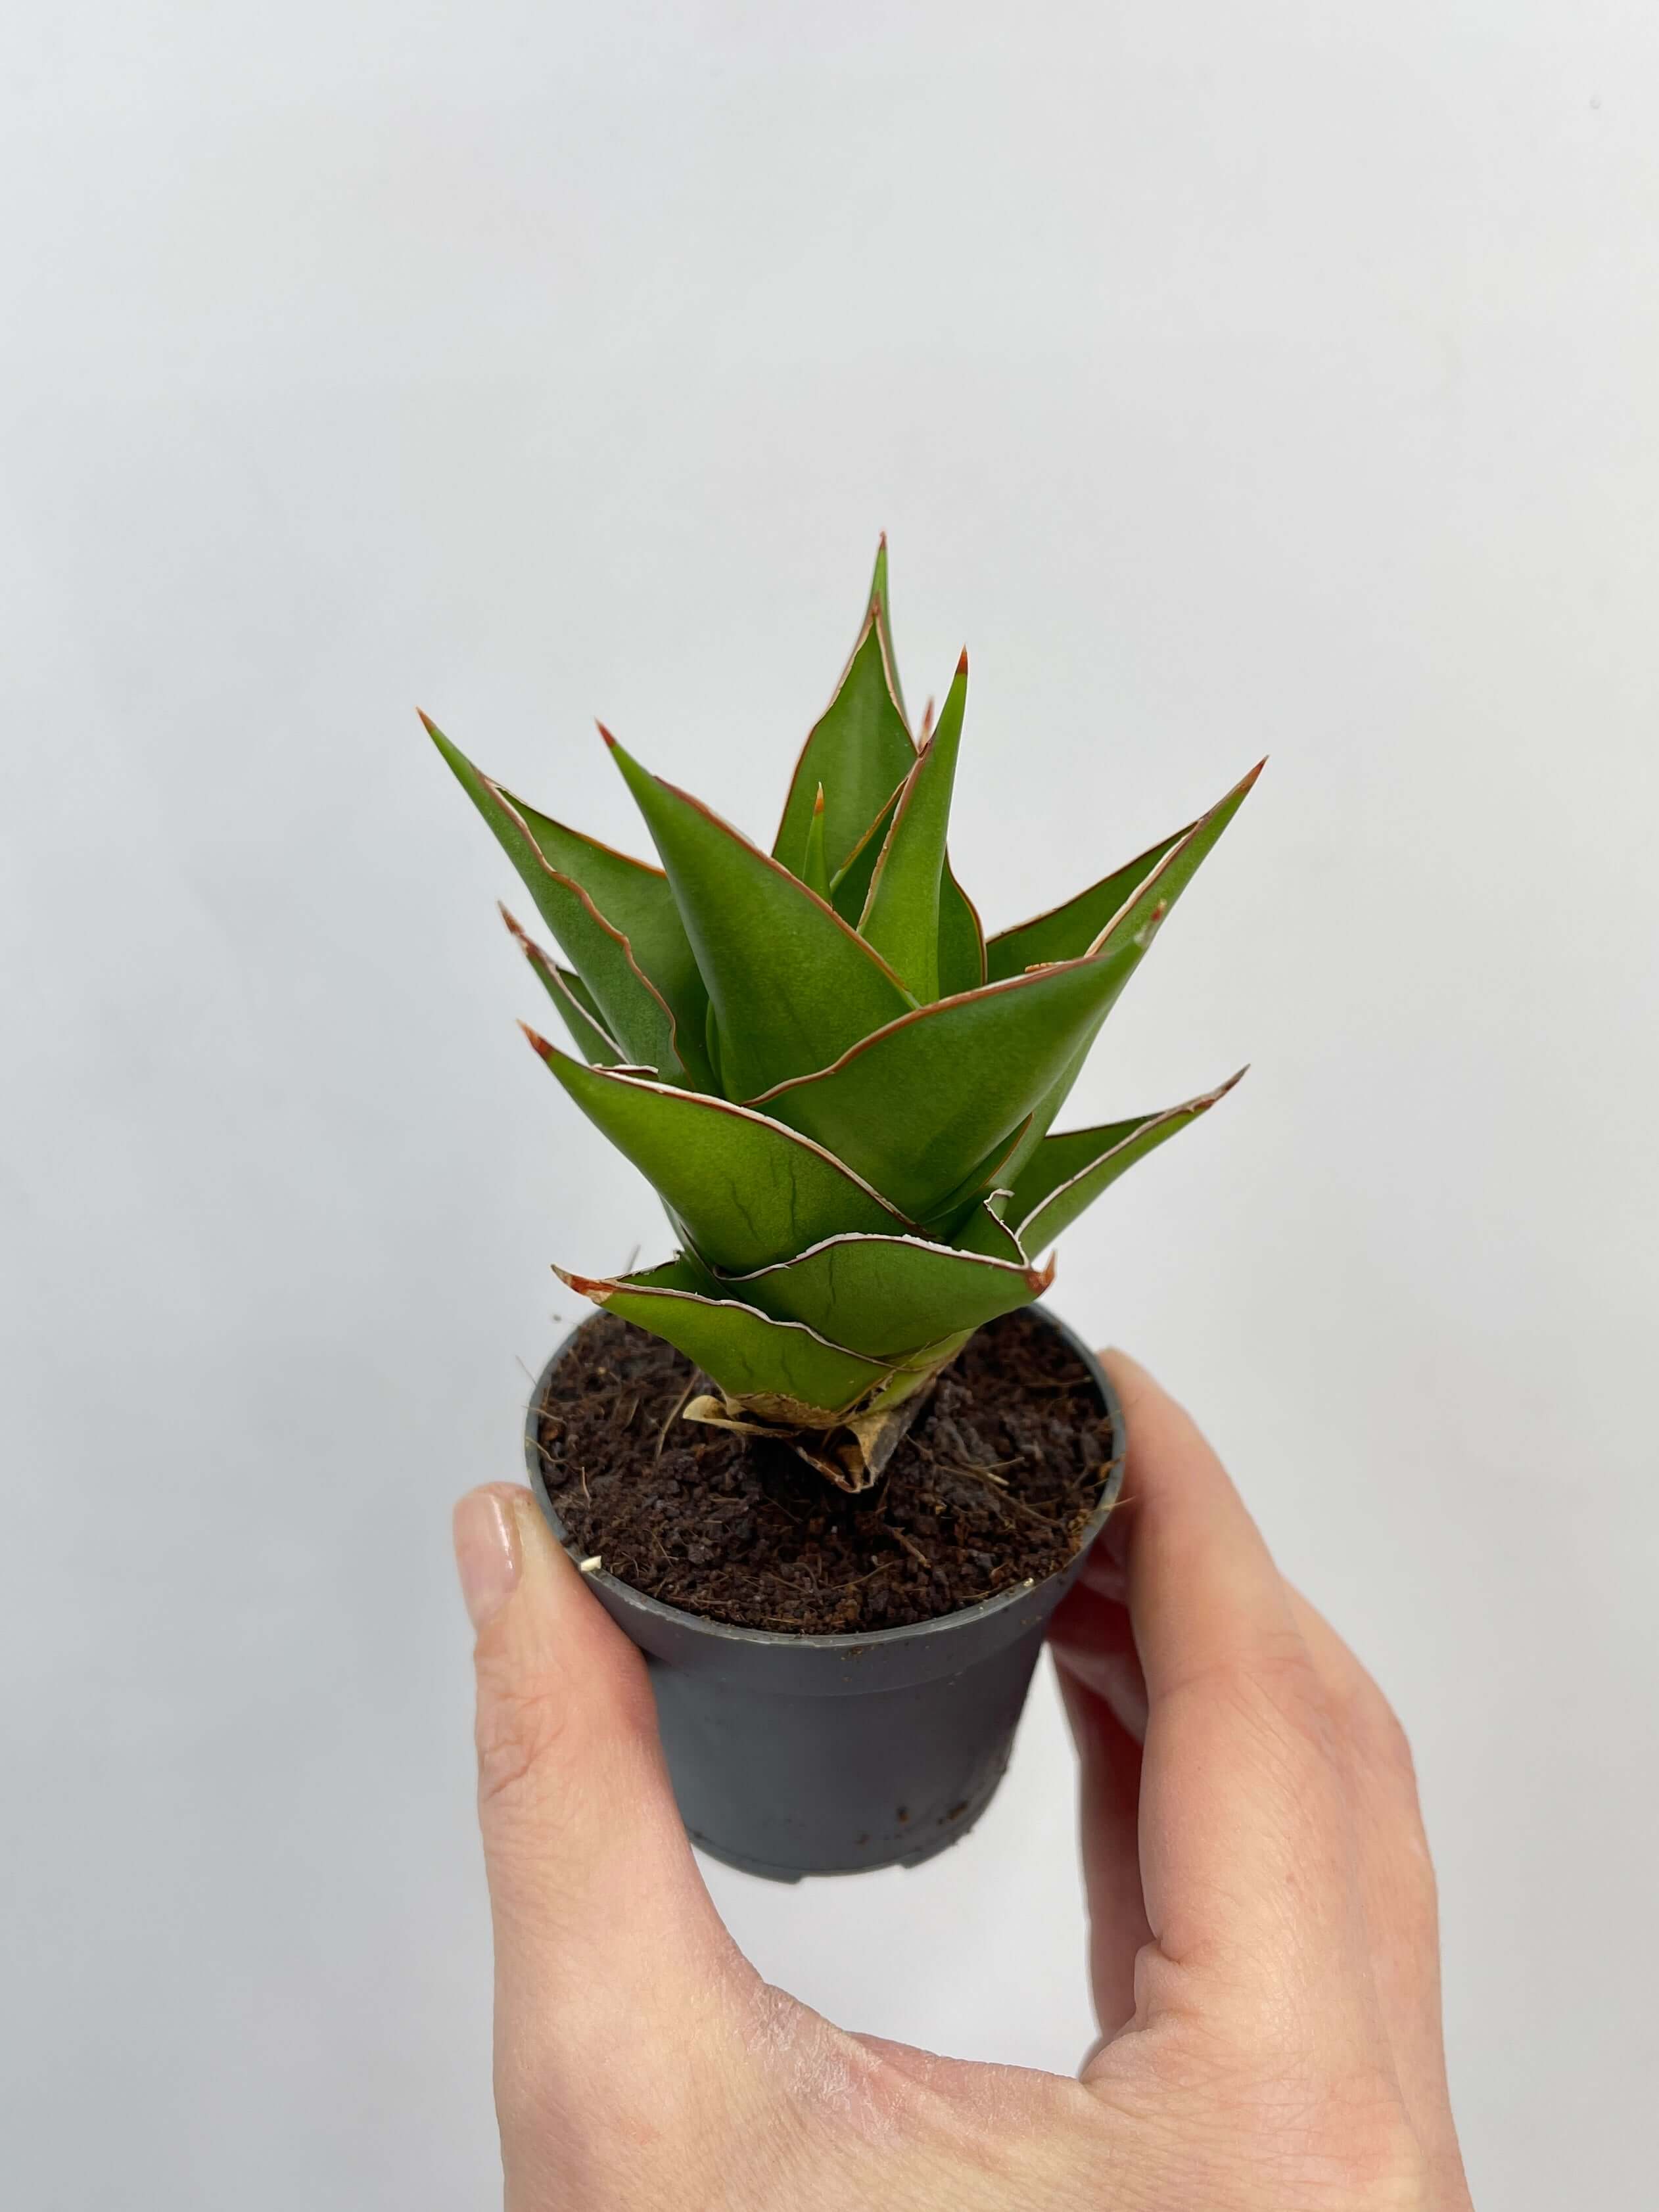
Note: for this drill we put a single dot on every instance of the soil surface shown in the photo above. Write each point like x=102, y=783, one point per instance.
x=991, y=1488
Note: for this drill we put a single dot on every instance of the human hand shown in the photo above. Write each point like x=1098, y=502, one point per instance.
x=1263, y=1943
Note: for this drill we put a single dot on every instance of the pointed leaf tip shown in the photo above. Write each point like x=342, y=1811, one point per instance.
x=427, y=722
x=1067, y=1173
x=815, y=869
x=604, y=733
x=859, y=748
x=539, y=1044
x=1214, y=1098
x=575, y=1001
x=962, y=665
x=615, y=921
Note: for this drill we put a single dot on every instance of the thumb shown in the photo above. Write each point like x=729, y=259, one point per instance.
x=609, y=1952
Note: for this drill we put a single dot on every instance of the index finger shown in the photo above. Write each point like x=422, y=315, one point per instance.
x=1246, y=1841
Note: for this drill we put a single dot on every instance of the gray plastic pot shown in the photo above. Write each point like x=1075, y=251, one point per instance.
x=832, y=1754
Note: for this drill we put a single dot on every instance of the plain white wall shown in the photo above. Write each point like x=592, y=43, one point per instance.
x=1232, y=379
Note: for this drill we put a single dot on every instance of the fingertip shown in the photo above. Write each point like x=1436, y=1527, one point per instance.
x=1160, y=1427
x=563, y=1700
x=1129, y=1378
x=561, y=1620
x=489, y=1545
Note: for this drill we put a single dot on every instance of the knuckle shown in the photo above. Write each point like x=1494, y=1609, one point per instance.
x=1378, y=1744
x=1278, y=1689
x=1368, y=2159
x=1386, y=1744
x=1373, y=2154
x=1344, y=2142
x=1287, y=1676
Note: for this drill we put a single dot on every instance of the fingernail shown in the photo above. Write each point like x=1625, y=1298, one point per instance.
x=487, y=1552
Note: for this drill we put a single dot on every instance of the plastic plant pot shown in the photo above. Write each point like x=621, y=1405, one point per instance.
x=792, y=1755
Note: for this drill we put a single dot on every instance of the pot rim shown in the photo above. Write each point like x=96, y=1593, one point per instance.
x=964, y=1617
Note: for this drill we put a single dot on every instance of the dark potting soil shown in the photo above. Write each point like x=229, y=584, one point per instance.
x=991, y=1488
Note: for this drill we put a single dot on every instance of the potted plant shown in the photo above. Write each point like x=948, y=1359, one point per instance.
x=830, y=1467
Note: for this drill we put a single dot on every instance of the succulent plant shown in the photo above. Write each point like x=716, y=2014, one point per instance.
x=842, y=1091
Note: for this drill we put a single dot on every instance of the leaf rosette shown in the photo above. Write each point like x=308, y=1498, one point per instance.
x=843, y=1092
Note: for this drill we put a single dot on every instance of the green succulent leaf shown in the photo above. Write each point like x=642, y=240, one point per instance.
x=637, y=900
x=774, y=1365
x=961, y=939
x=859, y=750
x=901, y=916
x=887, y=1295
x=816, y=872
x=633, y=1012
x=881, y=605
x=583, y=1018
x=748, y=1190
x=1067, y=1173
x=573, y=998
x=849, y=886
x=977, y=1186
x=961, y=935
x=597, y=903
x=986, y=1230
x=711, y=1042
x=1068, y=931
x=791, y=986
x=915, y=1105
x=1143, y=910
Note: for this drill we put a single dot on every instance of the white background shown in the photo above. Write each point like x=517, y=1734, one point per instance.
x=1232, y=379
